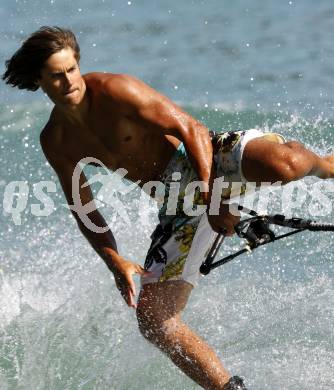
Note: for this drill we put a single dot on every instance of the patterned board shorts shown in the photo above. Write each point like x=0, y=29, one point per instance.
x=181, y=242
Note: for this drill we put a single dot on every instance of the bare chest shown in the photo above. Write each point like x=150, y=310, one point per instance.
x=117, y=144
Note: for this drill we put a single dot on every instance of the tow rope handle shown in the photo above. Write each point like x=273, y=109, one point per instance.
x=256, y=231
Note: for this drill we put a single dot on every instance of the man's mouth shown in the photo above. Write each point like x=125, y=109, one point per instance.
x=70, y=91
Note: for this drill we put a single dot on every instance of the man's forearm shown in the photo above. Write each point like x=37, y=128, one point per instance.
x=103, y=243
x=199, y=148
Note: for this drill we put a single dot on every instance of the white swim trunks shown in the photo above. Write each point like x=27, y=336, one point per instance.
x=180, y=243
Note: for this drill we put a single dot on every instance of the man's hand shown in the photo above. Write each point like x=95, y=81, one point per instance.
x=224, y=222
x=123, y=271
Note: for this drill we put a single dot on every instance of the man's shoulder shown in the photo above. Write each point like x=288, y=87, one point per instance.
x=113, y=85
x=103, y=78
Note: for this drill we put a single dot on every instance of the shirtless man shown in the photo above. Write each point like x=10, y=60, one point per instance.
x=124, y=123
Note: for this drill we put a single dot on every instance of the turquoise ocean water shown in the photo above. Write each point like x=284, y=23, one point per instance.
x=233, y=65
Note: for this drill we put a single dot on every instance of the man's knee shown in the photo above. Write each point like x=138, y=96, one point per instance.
x=295, y=161
x=159, y=309
x=154, y=326
x=268, y=161
x=295, y=146
x=147, y=323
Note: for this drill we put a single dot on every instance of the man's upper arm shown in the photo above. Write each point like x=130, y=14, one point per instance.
x=64, y=169
x=148, y=104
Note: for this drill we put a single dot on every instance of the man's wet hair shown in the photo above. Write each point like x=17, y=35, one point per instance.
x=24, y=67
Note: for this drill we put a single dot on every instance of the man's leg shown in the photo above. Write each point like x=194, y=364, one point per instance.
x=159, y=317
x=268, y=161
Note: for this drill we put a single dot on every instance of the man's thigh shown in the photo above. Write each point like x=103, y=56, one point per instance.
x=231, y=150
x=163, y=299
x=263, y=160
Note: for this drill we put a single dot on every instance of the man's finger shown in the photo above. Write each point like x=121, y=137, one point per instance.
x=131, y=301
x=128, y=297
x=125, y=295
x=132, y=286
x=129, y=280
x=142, y=271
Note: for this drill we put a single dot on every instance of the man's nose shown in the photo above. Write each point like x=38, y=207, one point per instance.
x=68, y=79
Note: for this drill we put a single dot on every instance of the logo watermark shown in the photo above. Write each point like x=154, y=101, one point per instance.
x=171, y=195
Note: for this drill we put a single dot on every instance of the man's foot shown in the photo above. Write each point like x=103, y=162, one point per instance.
x=235, y=383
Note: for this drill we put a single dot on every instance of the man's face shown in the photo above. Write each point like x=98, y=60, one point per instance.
x=61, y=78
